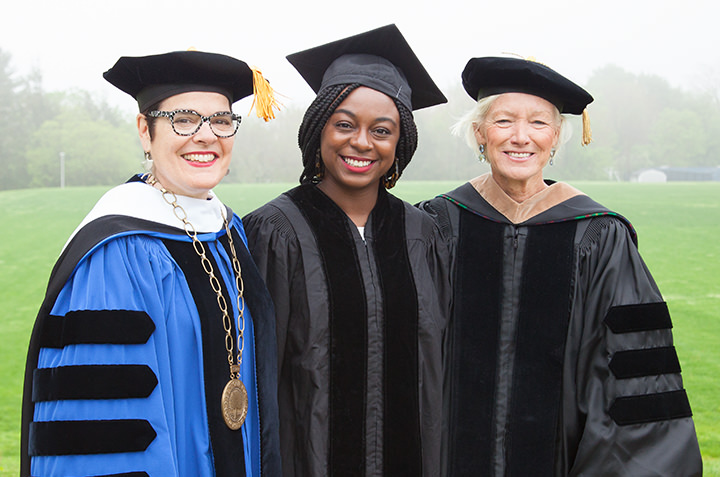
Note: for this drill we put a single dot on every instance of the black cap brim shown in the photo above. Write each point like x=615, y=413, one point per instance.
x=150, y=79
x=487, y=76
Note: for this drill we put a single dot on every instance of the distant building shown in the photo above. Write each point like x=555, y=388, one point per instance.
x=667, y=174
x=649, y=175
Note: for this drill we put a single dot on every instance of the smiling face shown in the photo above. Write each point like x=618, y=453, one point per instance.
x=188, y=165
x=518, y=133
x=358, y=142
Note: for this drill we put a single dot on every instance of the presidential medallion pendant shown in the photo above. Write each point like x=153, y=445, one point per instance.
x=234, y=404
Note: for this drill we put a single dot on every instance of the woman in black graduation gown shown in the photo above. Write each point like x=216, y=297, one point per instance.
x=560, y=358
x=356, y=275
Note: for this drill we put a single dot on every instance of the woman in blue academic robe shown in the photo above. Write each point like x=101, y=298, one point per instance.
x=153, y=353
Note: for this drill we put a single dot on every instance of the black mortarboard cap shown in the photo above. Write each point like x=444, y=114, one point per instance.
x=380, y=59
x=489, y=75
x=150, y=79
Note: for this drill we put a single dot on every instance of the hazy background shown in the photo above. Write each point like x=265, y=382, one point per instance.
x=653, y=67
x=73, y=42
x=643, y=61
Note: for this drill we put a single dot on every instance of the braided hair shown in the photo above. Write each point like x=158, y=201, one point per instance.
x=317, y=116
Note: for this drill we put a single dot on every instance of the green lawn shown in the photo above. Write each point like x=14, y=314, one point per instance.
x=679, y=234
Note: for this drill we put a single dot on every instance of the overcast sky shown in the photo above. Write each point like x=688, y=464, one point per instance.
x=72, y=42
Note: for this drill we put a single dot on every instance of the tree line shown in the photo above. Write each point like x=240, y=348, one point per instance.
x=638, y=121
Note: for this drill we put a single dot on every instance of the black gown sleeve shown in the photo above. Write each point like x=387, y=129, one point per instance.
x=276, y=251
x=625, y=410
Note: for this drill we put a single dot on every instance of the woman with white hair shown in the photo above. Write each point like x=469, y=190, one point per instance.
x=559, y=356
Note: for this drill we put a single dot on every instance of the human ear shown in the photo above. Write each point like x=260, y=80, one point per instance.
x=143, y=131
x=479, y=134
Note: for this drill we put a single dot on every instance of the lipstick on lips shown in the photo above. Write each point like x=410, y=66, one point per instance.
x=200, y=159
x=357, y=164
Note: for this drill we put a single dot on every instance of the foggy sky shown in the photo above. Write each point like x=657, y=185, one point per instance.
x=73, y=42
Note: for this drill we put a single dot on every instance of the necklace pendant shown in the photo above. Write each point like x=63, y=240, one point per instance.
x=234, y=404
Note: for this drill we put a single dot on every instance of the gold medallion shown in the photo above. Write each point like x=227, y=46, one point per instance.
x=234, y=404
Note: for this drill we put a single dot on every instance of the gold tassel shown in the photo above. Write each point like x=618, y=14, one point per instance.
x=264, y=97
x=586, y=131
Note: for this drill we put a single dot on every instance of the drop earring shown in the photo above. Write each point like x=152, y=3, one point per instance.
x=481, y=153
x=390, y=181
x=319, y=173
x=148, y=162
x=552, y=155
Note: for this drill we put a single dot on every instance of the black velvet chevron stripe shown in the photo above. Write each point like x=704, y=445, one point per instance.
x=543, y=317
x=126, y=474
x=402, y=453
x=644, y=362
x=96, y=327
x=629, y=410
x=640, y=317
x=86, y=238
x=473, y=351
x=93, y=382
x=227, y=445
x=258, y=301
x=348, y=330
x=89, y=437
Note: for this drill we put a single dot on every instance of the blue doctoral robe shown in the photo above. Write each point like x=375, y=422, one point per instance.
x=127, y=361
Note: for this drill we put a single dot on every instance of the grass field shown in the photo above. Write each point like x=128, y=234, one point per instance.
x=679, y=233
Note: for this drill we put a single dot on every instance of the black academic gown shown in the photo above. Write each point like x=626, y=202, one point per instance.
x=127, y=359
x=360, y=325
x=560, y=359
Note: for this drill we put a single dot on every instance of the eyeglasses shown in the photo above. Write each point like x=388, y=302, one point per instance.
x=186, y=122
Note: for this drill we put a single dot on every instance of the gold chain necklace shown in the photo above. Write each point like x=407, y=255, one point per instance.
x=234, y=401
